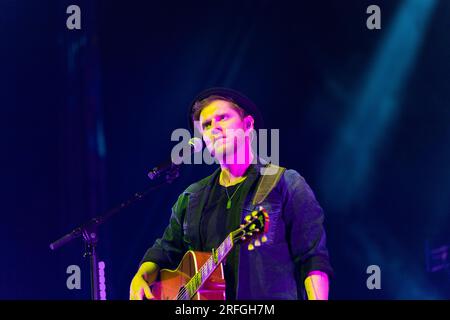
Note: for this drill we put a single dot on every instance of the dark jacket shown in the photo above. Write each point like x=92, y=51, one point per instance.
x=296, y=241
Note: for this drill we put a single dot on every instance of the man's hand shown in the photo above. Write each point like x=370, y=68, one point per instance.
x=139, y=288
x=316, y=285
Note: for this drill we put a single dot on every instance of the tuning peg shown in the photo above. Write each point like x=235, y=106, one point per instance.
x=249, y=234
x=248, y=218
x=257, y=243
x=256, y=230
x=254, y=213
x=251, y=247
x=263, y=239
x=243, y=238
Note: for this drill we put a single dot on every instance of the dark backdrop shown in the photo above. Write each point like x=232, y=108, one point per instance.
x=363, y=115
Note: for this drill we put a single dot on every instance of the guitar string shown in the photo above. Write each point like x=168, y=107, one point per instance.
x=183, y=291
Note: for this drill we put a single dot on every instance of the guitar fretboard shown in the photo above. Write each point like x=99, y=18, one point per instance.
x=208, y=268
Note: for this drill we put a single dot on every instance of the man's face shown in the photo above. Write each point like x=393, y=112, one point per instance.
x=223, y=129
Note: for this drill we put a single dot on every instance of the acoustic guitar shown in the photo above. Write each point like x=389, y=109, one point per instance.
x=199, y=276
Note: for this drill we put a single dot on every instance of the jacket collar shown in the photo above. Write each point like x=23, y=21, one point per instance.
x=198, y=195
x=206, y=183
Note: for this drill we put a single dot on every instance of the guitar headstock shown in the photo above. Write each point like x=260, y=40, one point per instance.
x=254, y=229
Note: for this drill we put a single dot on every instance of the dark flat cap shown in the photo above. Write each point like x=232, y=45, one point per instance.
x=233, y=95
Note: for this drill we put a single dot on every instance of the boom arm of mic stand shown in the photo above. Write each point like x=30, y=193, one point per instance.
x=88, y=231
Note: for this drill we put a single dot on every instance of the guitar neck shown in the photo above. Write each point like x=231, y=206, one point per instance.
x=209, y=266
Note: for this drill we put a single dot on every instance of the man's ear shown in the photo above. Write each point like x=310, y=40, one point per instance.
x=249, y=122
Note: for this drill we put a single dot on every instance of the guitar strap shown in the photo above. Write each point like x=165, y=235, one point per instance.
x=265, y=185
x=267, y=182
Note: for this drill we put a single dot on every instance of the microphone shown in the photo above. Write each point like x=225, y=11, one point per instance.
x=195, y=144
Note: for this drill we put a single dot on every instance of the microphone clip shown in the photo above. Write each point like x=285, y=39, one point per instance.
x=171, y=170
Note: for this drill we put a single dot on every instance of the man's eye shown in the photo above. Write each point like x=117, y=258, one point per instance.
x=224, y=117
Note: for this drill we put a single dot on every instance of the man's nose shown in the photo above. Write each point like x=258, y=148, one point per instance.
x=215, y=127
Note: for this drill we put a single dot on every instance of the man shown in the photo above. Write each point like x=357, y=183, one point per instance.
x=295, y=255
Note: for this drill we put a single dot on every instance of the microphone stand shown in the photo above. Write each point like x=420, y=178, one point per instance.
x=89, y=232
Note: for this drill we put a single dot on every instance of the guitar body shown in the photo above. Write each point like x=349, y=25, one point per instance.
x=172, y=281
x=199, y=275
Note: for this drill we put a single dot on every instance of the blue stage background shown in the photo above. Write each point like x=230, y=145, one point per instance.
x=364, y=116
